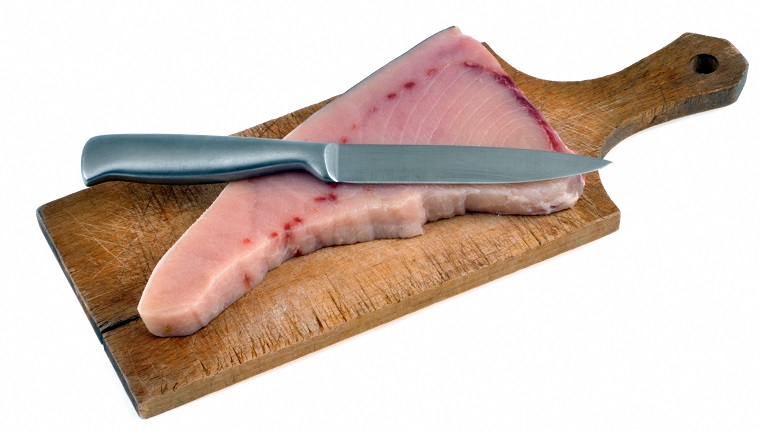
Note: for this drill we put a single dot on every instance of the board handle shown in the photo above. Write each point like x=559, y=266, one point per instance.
x=693, y=74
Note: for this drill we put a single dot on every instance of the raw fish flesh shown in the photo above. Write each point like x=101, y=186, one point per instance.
x=449, y=89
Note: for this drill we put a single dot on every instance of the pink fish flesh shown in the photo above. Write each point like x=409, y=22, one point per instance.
x=447, y=90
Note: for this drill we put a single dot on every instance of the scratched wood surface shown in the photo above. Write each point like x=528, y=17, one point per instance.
x=108, y=239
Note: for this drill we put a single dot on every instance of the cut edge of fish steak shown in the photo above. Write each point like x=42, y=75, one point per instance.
x=447, y=90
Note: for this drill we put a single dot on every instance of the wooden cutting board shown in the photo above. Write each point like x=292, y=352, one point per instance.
x=109, y=237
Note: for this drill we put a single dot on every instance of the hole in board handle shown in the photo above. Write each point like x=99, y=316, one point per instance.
x=704, y=64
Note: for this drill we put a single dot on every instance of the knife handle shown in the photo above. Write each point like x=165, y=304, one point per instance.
x=177, y=159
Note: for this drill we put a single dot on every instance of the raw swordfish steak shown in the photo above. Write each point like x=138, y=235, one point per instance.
x=449, y=89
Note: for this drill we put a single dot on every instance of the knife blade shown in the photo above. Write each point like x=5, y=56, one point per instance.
x=196, y=159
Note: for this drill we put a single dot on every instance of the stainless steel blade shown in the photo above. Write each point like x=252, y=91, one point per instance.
x=443, y=164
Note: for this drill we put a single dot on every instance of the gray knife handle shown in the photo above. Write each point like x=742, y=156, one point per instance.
x=193, y=159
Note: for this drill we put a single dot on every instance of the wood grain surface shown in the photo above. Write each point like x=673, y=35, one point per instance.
x=109, y=237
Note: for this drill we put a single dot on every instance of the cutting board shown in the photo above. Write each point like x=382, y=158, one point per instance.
x=109, y=237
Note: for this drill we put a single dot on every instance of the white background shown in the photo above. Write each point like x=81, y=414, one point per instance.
x=656, y=326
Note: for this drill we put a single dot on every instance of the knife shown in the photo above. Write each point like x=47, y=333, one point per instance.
x=196, y=159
